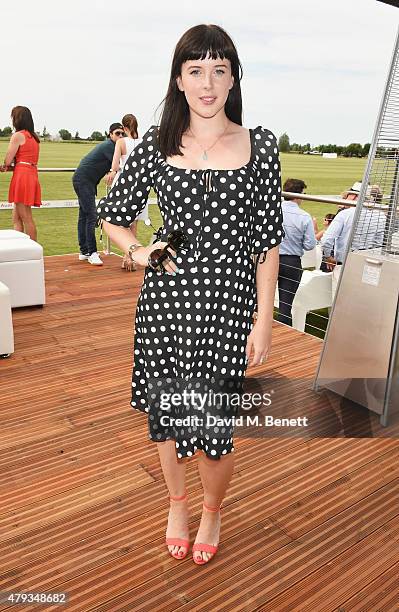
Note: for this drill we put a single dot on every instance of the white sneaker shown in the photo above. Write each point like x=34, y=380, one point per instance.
x=83, y=257
x=95, y=260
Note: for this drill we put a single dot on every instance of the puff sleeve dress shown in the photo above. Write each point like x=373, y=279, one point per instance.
x=191, y=329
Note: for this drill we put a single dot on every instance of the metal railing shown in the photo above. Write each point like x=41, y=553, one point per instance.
x=303, y=196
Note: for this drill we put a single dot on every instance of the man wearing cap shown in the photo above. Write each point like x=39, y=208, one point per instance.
x=86, y=177
x=335, y=238
x=369, y=233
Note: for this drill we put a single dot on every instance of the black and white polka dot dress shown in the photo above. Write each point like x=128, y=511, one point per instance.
x=191, y=329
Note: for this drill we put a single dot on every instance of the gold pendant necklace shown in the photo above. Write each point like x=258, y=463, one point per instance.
x=205, y=151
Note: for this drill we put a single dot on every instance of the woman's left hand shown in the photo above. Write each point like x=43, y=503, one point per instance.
x=259, y=343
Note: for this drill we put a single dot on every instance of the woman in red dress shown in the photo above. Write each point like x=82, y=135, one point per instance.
x=24, y=189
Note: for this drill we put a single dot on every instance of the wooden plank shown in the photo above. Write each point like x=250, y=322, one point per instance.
x=138, y=535
x=382, y=593
x=75, y=499
x=257, y=565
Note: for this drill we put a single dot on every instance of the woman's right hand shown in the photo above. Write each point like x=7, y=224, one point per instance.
x=110, y=177
x=141, y=256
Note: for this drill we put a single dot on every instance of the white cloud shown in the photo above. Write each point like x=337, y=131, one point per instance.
x=314, y=69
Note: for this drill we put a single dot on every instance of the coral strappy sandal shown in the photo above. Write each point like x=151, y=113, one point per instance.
x=202, y=547
x=178, y=541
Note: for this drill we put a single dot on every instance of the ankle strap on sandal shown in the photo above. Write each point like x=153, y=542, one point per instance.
x=211, y=508
x=178, y=498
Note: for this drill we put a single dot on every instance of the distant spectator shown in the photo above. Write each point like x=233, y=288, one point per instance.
x=326, y=222
x=24, y=191
x=299, y=237
x=86, y=177
x=335, y=237
x=375, y=194
x=320, y=233
x=123, y=149
x=369, y=234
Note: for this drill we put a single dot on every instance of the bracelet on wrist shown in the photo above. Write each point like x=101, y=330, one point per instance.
x=132, y=249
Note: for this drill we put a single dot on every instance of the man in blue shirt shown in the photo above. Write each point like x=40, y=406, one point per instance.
x=334, y=240
x=369, y=232
x=85, y=179
x=299, y=237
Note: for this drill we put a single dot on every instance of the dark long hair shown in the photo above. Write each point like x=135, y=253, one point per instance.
x=22, y=120
x=197, y=43
x=130, y=122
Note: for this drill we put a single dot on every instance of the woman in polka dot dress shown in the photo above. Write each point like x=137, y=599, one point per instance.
x=220, y=184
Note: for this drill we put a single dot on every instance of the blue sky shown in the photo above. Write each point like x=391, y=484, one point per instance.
x=314, y=69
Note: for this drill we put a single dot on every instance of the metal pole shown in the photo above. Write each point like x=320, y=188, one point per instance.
x=392, y=378
x=387, y=244
x=107, y=250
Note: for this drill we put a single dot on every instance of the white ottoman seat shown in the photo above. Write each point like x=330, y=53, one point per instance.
x=6, y=329
x=22, y=270
x=20, y=250
x=10, y=234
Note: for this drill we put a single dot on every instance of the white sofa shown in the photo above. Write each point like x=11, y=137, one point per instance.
x=6, y=329
x=22, y=270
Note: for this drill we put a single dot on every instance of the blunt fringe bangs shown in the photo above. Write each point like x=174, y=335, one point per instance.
x=197, y=43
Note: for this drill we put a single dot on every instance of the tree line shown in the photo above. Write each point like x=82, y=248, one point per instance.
x=63, y=134
x=96, y=135
x=354, y=149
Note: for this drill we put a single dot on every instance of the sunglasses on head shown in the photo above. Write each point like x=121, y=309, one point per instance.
x=176, y=240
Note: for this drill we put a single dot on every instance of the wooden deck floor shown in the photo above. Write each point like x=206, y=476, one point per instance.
x=309, y=523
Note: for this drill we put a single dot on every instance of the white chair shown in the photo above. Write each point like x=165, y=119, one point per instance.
x=314, y=292
x=12, y=234
x=6, y=329
x=22, y=270
x=313, y=258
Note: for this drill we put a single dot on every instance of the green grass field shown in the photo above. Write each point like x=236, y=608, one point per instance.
x=57, y=228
